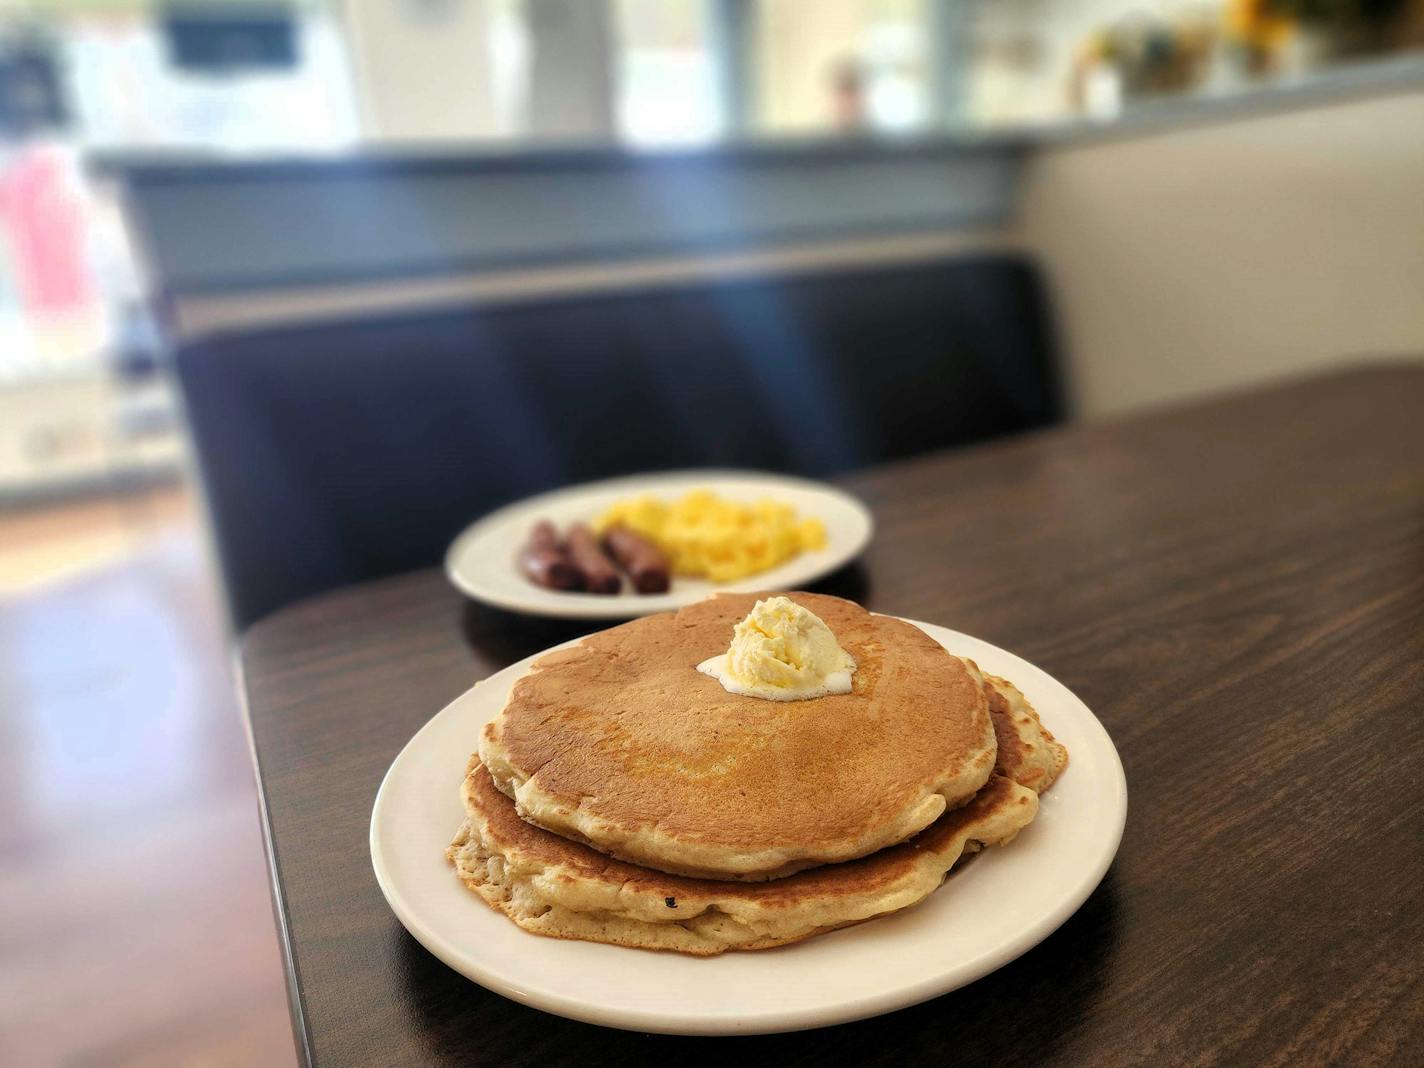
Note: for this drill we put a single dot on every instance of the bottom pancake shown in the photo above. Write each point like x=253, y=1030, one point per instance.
x=556, y=887
x=553, y=886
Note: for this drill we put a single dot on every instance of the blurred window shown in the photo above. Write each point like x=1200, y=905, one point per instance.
x=509, y=47
x=82, y=76
x=666, y=72
x=129, y=90
x=842, y=65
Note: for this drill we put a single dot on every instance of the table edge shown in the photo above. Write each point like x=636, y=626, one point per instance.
x=296, y=1008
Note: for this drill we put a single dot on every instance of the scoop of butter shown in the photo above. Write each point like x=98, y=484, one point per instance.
x=782, y=652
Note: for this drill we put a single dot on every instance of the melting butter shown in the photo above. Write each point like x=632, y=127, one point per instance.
x=782, y=652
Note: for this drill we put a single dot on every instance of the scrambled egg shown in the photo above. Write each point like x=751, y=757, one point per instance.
x=708, y=536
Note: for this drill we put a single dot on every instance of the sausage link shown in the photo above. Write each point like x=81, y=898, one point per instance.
x=599, y=573
x=645, y=563
x=545, y=562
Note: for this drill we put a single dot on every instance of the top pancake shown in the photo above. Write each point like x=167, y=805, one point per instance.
x=620, y=743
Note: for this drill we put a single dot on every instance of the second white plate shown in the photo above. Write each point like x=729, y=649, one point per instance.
x=990, y=912
x=480, y=562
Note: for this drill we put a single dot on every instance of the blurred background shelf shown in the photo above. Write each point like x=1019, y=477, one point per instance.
x=85, y=433
x=1337, y=83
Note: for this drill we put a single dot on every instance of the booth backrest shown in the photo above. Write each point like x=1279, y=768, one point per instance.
x=339, y=451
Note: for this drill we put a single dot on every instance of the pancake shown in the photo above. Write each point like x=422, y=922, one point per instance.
x=1028, y=753
x=621, y=744
x=555, y=887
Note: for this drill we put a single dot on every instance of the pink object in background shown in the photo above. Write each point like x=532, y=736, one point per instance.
x=45, y=228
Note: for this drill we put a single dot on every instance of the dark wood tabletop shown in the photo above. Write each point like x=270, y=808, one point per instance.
x=1235, y=587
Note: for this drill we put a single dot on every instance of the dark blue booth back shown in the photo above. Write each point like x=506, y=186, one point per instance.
x=342, y=451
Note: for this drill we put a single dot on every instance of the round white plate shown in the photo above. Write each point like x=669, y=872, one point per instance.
x=480, y=562
x=996, y=908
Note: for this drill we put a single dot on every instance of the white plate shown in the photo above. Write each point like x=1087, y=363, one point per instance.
x=480, y=562
x=996, y=908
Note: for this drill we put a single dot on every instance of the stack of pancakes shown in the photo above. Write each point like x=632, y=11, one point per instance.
x=621, y=796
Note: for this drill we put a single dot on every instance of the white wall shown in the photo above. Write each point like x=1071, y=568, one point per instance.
x=461, y=70
x=1213, y=257
x=422, y=70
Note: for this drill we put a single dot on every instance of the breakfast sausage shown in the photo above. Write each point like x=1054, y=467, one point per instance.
x=599, y=573
x=645, y=563
x=545, y=562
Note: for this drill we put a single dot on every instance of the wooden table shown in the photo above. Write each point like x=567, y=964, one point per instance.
x=1235, y=587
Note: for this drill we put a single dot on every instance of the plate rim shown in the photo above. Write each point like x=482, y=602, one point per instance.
x=773, y=1020
x=584, y=606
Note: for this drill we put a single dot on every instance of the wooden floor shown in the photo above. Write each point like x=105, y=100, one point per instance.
x=135, y=920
